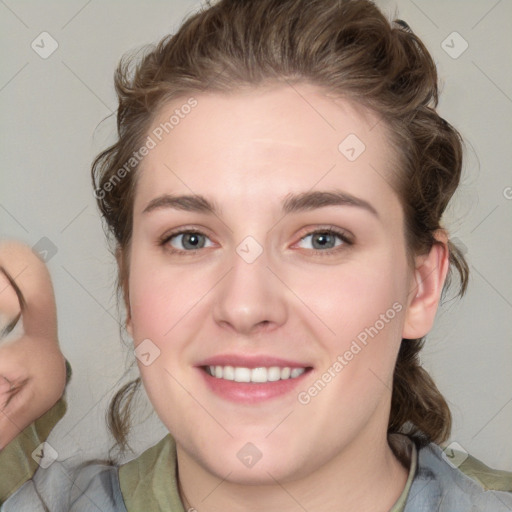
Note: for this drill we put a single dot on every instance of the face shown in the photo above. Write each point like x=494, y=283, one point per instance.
x=291, y=265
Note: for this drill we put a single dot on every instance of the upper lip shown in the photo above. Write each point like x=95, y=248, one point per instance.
x=255, y=361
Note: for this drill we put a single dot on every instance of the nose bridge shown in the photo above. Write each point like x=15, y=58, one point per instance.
x=250, y=295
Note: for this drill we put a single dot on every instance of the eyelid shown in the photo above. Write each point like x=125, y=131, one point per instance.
x=346, y=236
x=165, y=239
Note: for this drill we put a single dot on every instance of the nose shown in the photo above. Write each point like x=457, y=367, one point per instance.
x=250, y=298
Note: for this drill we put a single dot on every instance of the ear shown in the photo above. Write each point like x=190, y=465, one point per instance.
x=123, y=271
x=425, y=291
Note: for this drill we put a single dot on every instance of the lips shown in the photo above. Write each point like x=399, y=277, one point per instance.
x=255, y=361
x=252, y=379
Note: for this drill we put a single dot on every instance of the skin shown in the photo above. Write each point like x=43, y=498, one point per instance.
x=247, y=151
x=31, y=361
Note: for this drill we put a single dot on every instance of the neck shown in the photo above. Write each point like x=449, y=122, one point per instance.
x=365, y=476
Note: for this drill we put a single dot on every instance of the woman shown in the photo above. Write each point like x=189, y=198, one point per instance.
x=275, y=196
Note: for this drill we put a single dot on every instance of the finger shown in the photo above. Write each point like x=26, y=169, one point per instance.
x=9, y=388
x=30, y=277
x=10, y=303
x=5, y=386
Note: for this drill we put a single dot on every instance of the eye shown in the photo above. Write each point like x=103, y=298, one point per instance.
x=325, y=240
x=186, y=241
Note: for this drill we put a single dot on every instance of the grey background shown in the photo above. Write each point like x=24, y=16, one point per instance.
x=52, y=109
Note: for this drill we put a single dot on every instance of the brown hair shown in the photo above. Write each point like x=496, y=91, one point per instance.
x=348, y=48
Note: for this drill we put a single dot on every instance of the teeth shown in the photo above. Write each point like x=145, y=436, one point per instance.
x=241, y=374
x=273, y=373
x=296, y=372
x=228, y=372
x=259, y=375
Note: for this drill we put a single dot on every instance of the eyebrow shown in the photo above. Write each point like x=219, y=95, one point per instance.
x=292, y=203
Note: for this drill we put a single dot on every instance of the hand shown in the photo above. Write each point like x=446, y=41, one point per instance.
x=32, y=367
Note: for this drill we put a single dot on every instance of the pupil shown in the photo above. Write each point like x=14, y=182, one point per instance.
x=323, y=239
x=191, y=240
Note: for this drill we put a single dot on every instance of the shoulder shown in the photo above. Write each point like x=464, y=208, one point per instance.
x=150, y=482
x=96, y=486
x=488, y=478
x=453, y=481
x=164, y=450
x=62, y=487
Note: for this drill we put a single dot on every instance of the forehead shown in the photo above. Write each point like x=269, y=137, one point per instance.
x=265, y=141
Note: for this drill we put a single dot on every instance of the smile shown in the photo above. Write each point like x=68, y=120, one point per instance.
x=257, y=375
x=250, y=386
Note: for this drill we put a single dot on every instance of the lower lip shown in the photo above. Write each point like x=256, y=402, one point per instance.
x=251, y=392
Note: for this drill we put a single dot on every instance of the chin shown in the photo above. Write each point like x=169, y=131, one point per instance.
x=261, y=473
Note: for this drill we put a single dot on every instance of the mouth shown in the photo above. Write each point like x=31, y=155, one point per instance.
x=252, y=380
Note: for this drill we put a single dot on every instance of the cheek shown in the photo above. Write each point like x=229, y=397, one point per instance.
x=349, y=298
x=362, y=308
x=160, y=298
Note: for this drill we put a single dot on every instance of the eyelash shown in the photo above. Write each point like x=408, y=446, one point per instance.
x=342, y=235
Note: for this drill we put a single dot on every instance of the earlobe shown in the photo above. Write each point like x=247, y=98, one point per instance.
x=429, y=277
